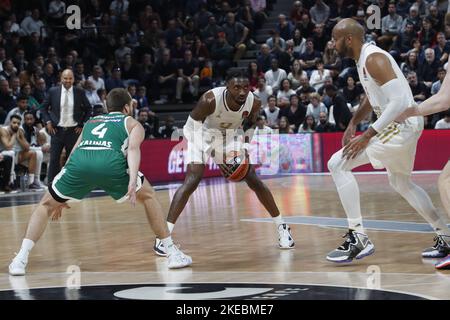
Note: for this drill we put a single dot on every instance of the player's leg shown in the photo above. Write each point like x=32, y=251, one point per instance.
x=36, y=226
x=357, y=244
x=266, y=198
x=444, y=187
x=421, y=202
x=37, y=172
x=147, y=196
x=29, y=155
x=193, y=177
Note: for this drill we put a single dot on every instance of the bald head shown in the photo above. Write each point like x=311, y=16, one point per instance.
x=348, y=27
x=348, y=35
x=67, y=78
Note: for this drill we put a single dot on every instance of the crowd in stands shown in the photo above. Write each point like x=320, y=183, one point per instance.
x=171, y=51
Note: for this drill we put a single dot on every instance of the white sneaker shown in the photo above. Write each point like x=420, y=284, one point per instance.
x=285, y=239
x=159, y=248
x=177, y=259
x=17, y=267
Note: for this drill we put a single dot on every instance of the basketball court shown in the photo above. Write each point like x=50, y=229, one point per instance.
x=103, y=250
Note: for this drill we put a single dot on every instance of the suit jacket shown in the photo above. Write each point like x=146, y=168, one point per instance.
x=51, y=107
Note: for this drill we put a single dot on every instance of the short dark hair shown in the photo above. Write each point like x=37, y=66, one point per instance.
x=447, y=113
x=16, y=116
x=22, y=96
x=236, y=74
x=330, y=87
x=142, y=110
x=117, y=98
x=27, y=113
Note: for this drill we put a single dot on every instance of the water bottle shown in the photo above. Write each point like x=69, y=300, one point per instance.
x=23, y=182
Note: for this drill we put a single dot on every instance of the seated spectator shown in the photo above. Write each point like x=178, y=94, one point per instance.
x=320, y=38
x=200, y=51
x=320, y=12
x=188, y=74
x=315, y=107
x=166, y=131
x=309, y=58
x=427, y=35
x=284, y=28
x=165, y=73
x=261, y=127
x=172, y=32
x=91, y=93
x=22, y=107
x=419, y=90
x=296, y=74
x=324, y=125
x=236, y=34
x=264, y=59
x=40, y=91
x=32, y=103
x=5, y=172
x=445, y=122
x=15, y=136
x=403, y=41
x=253, y=75
x=411, y=64
x=284, y=94
x=284, y=126
x=221, y=53
x=275, y=75
x=308, y=126
x=428, y=69
x=210, y=32
x=143, y=120
x=341, y=112
x=352, y=91
x=317, y=78
x=305, y=86
x=35, y=140
x=295, y=113
x=178, y=49
x=390, y=27
x=102, y=95
x=403, y=7
x=297, y=11
x=271, y=112
x=437, y=85
x=9, y=71
x=442, y=48
x=263, y=92
x=142, y=97
x=115, y=81
x=130, y=71
x=299, y=43
x=306, y=26
x=32, y=24
x=331, y=57
x=276, y=43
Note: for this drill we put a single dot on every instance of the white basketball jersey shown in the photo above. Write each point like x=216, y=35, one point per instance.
x=223, y=117
x=373, y=90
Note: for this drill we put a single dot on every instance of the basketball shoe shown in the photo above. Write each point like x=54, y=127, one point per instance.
x=159, y=248
x=285, y=240
x=440, y=249
x=17, y=267
x=177, y=259
x=356, y=246
x=444, y=264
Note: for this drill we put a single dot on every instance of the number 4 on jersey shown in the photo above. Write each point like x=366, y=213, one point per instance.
x=99, y=131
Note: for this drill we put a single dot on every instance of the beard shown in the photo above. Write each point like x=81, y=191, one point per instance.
x=14, y=129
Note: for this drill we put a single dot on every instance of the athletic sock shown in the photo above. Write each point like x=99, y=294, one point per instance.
x=278, y=220
x=25, y=249
x=170, y=226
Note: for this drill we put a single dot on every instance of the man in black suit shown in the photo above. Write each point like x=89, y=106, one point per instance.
x=65, y=110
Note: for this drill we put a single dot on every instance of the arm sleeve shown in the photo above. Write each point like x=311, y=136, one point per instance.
x=397, y=103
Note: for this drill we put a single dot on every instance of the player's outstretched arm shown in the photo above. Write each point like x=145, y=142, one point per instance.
x=135, y=138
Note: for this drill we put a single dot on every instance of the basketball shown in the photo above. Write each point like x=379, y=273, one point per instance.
x=236, y=166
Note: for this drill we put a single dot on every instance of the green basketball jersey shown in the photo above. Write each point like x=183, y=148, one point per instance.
x=106, y=131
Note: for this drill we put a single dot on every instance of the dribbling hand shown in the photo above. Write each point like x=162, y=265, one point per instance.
x=349, y=134
x=56, y=214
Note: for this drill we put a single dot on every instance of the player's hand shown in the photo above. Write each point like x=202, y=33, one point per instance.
x=348, y=134
x=131, y=195
x=78, y=130
x=56, y=214
x=355, y=146
x=51, y=131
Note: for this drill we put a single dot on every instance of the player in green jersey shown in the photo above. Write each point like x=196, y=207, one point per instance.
x=106, y=155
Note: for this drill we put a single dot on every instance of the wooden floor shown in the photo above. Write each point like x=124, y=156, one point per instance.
x=221, y=230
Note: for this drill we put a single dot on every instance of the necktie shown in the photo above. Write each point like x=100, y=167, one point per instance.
x=65, y=109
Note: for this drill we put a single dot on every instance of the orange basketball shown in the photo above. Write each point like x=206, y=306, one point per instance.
x=236, y=167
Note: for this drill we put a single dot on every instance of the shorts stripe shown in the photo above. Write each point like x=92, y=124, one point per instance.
x=58, y=193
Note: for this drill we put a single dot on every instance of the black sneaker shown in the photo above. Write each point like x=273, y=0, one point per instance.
x=440, y=249
x=356, y=246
